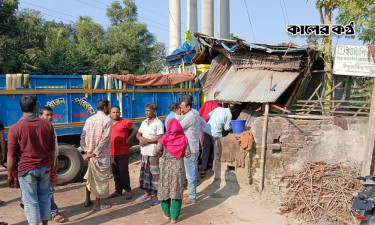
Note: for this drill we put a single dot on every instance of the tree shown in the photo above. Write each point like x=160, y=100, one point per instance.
x=131, y=48
x=363, y=13
x=325, y=9
x=118, y=14
x=30, y=44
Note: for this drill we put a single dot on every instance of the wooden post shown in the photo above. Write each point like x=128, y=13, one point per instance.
x=368, y=153
x=264, y=140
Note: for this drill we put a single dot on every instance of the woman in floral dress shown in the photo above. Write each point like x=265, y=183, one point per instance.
x=173, y=146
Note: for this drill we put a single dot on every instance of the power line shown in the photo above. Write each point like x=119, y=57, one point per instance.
x=100, y=3
x=248, y=16
x=286, y=12
x=282, y=11
x=48, y=9
x=89, y=5
x=138, y=16
x=53, y=16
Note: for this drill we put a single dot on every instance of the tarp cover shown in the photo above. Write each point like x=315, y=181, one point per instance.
x=155, y=79
x=186, y=52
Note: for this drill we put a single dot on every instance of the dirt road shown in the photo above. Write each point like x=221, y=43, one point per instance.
x=218, y=203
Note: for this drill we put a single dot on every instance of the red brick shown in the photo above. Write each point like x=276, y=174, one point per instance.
x=326, y=128
x=274, y=146
x=326, y=122
x=281, y=120
x=300, y=122
x=290, y=155
x=294, y=132
x=294, y=145
x=300, y=141
x=297, y=137
x=315, y=122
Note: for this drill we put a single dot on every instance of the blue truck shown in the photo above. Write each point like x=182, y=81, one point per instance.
x=73, y=99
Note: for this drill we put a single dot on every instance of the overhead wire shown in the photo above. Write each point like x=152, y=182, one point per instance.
x=52, y=16
x=286, y=12
x=138, y=16
x=285, y=16
x=47, y=9
x=248, y=16
x=89, y=5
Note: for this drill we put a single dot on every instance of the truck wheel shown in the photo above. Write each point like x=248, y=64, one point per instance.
x=69, y=163
x=83, y=170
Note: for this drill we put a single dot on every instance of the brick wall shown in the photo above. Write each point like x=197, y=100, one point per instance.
x=291, y=142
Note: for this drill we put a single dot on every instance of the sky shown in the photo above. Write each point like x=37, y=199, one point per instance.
x=262, y=21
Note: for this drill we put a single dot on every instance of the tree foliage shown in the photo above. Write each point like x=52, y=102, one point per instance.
x=30, y=44
x=363, y=13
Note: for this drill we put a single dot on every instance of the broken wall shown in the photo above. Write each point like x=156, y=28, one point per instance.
x=291, y=142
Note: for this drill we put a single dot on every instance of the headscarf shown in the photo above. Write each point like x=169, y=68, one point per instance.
x=174, y=141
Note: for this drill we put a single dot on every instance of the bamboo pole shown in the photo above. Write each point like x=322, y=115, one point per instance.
x=264, y=139
x=368, y=147
x=309, y=117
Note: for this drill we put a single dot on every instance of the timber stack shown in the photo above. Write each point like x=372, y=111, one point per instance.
x=322, y=191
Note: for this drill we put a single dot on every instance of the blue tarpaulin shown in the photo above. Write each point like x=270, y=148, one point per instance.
x=185, y=52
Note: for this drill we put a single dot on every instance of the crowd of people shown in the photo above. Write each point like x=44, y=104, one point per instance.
x=169, y=155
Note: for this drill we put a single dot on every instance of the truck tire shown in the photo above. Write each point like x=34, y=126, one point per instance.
x=82, y=172
x=69, y=164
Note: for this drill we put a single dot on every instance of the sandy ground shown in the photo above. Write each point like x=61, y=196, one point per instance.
x=217, y=203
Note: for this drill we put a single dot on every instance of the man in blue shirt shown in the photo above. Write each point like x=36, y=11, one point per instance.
x=173, y=107
x=220, y=120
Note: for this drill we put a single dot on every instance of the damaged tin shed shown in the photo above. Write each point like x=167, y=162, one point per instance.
x=242, y=71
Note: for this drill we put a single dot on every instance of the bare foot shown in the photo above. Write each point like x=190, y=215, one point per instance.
x=167, y=217
x=173, y=221
x=87, y=204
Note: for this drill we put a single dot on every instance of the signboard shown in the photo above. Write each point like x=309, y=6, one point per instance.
x=352, y=60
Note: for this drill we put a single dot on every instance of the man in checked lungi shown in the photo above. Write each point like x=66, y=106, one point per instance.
x=150, y=131
x=95, y=140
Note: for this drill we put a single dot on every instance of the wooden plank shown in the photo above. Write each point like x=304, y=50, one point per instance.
x=343, y=101
x=354, y=107
x=338, y=112
x=83, y=91
x=315, y=91
x=314, y=117
x=342, y=107
x=368, y=147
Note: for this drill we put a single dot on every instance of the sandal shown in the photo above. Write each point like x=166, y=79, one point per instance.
x=143, y=198
x=203, y=173
x=128, y=195
x=58, y=218
x=113, y=195
x=188, y=201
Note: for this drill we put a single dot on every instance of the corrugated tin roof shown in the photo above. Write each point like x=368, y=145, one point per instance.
x=243, y=85
x=250, y=85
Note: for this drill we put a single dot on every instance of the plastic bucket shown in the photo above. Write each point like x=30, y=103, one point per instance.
x=238, y=126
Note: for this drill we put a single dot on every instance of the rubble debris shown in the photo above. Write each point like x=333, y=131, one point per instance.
x=322, y=191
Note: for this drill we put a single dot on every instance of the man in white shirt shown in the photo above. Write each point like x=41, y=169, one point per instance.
x=46, y=113
x=150, y=131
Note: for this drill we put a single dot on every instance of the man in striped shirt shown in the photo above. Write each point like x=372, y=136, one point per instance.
x=95, y=140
